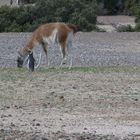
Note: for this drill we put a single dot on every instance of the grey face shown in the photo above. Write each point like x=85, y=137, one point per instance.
x=20, y=61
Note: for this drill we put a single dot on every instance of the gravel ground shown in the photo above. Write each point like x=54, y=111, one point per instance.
x=89, y=49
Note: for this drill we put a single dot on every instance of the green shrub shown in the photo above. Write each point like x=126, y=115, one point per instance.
x=125, y=28
x=137, y=13
x=27, y=18
x=5, y=18
x=137, y=28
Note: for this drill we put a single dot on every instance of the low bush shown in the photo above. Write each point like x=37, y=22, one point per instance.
x=125, y=28
x=27, y=18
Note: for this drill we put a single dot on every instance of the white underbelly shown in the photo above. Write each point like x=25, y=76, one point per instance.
x=51, y=40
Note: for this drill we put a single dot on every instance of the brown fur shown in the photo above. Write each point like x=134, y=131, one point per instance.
x=46, y=30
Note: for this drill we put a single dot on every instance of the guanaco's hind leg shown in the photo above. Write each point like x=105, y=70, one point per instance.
x=63, y=51
x=45, y=47
x=69, y=51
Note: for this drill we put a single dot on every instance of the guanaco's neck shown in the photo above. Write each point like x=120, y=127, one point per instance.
x=27, y=49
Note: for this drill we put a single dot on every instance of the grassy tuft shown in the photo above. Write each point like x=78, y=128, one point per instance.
x=14, y=74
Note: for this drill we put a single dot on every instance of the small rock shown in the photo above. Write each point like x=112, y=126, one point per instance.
x=74, y=87
x=9, y=115
x=44, y=105
x=85, y=128
x=136, y=100
x=45, y=139
x=62, y=97
x=37, y=124
x=7, y=107
x=52, y=92
x=13, y=125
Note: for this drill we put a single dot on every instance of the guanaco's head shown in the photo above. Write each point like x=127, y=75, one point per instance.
x=75, y=28
x=20, y=61
x=21, y=58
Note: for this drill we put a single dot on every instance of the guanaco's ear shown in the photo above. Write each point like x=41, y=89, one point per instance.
x=78, y=28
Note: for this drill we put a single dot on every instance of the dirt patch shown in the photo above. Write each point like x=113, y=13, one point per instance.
x=111, y=23
x=61, y=104
x=116, y=19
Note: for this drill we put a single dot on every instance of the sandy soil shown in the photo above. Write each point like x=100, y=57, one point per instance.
x=71, y=105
